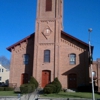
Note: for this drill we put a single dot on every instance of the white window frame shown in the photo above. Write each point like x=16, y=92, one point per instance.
x=72, y=59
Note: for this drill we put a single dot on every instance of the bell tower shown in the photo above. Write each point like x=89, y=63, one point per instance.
x=47, y=38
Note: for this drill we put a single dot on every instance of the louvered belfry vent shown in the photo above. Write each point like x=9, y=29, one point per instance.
x=48, y=5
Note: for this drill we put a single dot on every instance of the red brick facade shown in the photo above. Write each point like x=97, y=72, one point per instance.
x=49, y=36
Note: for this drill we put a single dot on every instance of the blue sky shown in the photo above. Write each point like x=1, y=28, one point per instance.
x=17, y=20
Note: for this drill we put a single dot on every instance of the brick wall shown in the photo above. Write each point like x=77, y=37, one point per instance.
x=17, y=67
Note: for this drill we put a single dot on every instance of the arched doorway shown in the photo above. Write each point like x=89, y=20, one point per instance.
x=24, y=78
x=46, y=77
x=72, y=81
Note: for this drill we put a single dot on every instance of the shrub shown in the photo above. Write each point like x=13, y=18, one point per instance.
x=30, y=87
x=1, y=88
x=48, y=90
x=27, y=88
x=53, y=87
x=33, y=81
x=58, y=85
x=24, y=89
x=8, y=89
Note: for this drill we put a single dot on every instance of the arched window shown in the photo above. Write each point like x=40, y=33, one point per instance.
x=46, y=55
x=48, y=5
x=26, y=59
x=72, y=58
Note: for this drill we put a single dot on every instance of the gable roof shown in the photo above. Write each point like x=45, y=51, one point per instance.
x=1, y=66
x=74, y=38
x=19, y=42
x=62, y=32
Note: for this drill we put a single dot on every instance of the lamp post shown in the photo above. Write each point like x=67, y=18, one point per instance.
x=90, y=54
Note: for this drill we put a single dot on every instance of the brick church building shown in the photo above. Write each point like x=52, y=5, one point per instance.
x=50, y=52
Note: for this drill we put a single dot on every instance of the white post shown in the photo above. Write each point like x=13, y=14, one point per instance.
x=93, y=96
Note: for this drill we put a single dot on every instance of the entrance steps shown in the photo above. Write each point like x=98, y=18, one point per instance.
x=17, y=89
x=69, y=90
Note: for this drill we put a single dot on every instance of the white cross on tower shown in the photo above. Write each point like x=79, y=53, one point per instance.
x=47, y=30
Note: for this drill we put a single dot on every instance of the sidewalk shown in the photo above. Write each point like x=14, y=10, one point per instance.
x=30, y=96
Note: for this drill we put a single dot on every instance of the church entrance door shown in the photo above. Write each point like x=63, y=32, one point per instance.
x=72, y=81
x=46, y=77
x=24, y=78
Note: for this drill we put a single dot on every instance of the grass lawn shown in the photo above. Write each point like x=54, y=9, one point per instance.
x=59, y=95
x=71, y=95
x=8, y=93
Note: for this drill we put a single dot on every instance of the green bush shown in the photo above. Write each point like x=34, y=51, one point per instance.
x=8, y=89
x=53, y=87
x=58, y=85
x=33, y=81
x=24, y=89
x=1, y=88
x=30, y=87
x=27, y=88
x=48, y=90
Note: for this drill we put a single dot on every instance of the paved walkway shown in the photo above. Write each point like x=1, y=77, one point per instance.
x=30, y=96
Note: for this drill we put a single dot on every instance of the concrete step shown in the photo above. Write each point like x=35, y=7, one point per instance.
x=17, y=89
x=69, y=90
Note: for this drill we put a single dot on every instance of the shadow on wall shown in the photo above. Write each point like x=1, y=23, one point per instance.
x=28, y=60
x=78, y=75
